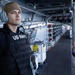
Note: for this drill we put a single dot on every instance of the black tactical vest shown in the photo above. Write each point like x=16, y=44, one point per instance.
x=16, y=59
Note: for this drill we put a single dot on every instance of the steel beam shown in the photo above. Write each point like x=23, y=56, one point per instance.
x=56, y=8
x=73, y=39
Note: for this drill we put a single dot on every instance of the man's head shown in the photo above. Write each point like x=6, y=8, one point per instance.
x=13, y=12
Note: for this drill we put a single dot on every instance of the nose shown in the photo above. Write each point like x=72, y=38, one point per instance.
x=17, y=15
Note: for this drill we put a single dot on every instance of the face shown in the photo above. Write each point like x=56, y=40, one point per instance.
x=14, y=17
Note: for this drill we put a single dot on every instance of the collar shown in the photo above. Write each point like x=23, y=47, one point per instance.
x=7, y=29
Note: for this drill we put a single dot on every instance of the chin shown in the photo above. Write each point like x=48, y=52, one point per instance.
x=17, y=23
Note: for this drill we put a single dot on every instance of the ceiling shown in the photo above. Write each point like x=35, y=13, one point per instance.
x=46, y=7
x=53, y=7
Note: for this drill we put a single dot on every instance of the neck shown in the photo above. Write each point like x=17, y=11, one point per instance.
x=13, y=28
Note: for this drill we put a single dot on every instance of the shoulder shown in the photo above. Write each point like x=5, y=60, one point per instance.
x=1, y=31
x=2, y=36
x=2, y=41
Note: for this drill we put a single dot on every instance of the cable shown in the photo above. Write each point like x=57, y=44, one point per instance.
x=32, y=66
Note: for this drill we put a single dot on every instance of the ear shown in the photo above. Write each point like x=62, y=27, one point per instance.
x=3, y=16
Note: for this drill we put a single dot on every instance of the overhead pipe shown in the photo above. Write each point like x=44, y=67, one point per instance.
x=32, y=11
x=59, y=8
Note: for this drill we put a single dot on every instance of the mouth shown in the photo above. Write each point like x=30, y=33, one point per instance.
x=17, y=19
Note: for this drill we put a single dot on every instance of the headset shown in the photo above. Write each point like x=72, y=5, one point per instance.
x=3, y=16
